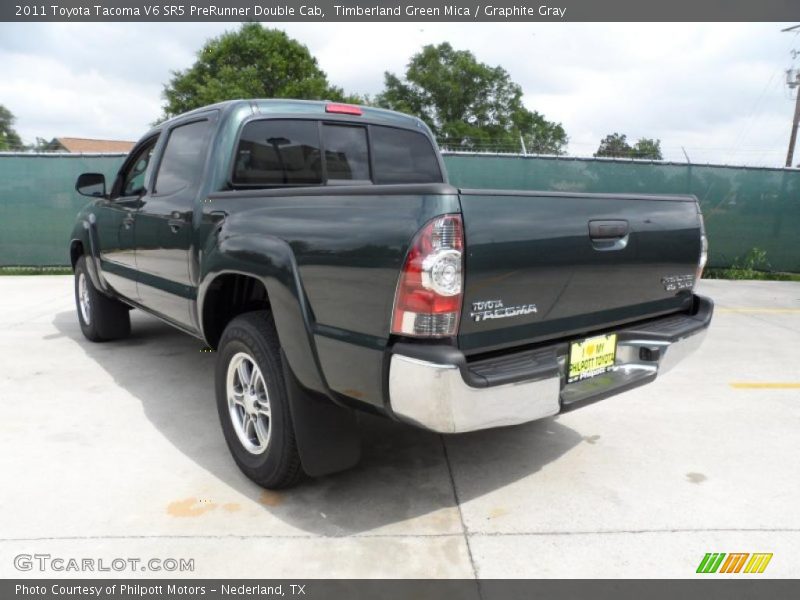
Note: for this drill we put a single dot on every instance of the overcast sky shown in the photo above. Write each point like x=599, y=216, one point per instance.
x=716, y=89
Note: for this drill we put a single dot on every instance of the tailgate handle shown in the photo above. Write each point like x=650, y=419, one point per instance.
x=608, y=230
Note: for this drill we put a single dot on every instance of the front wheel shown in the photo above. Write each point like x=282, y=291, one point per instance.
x=101, y=318
x=253, y=402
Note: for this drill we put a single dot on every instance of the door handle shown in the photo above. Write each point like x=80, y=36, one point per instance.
x=608, y=230
x=127, y=222
x=609, y=234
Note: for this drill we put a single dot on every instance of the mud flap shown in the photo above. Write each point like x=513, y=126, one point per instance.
x=327, y=435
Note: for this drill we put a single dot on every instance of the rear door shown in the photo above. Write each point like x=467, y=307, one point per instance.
x=541, y=266
x=164, y=223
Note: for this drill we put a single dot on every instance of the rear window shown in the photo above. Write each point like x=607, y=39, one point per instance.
x=346, y=154
x=402, y=156
x=279, y=152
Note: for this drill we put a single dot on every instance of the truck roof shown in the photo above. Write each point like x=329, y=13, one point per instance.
x=307, y=108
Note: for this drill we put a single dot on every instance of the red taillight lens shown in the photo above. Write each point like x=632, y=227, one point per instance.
x=344, y=109
x=428, y=298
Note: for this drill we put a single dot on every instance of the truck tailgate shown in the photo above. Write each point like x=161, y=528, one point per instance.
x=541, y=265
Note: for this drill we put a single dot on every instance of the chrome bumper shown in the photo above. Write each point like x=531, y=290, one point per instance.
x=436, y=397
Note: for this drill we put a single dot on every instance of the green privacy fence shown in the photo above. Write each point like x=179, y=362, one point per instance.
x=744, y=208
x=38, y=204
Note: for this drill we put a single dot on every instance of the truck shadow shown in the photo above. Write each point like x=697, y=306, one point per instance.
x=404, y=474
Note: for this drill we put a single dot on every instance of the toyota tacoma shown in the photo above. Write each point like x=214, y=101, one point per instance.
x=319, y=249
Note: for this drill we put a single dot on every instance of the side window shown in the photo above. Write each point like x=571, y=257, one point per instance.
x=402, y=156
x=182, y=163
x=346, y=154
x=278, y=152
x=134, y=177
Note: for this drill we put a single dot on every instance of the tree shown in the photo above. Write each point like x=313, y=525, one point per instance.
x=542, y=136
x=9, y=138
x=252, y=62
x=42, y=145
x=616, y=145
x=647, y=148
x=469, y=104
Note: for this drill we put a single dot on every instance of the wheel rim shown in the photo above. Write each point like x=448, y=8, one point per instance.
x=83, y=299
x=248, y=403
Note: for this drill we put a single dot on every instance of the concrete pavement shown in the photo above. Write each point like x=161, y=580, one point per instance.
x=114, y=451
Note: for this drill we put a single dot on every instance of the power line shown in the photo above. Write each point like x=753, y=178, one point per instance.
x=749, y=120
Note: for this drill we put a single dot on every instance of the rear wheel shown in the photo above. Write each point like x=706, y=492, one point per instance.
x=253, y=402
x=101, y=318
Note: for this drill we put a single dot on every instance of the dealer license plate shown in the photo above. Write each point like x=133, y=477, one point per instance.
x=592, y=356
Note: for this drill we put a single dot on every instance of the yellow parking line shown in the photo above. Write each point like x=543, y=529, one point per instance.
x=771, y=385
x=759, y=310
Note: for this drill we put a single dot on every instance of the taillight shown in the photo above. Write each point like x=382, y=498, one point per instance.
x=701, y=263
x=428, y=298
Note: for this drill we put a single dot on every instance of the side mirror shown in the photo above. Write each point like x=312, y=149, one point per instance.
x=92, y=185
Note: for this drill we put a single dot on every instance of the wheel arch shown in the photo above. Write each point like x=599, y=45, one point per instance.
x=243, y=273
x=228, y=295
x=76, y=250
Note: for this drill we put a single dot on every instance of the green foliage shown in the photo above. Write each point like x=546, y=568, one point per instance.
x=755, y=275
x=469, y=104
x=41, y=145
x=616, y=145
x=252, y=62
x=754, y=260
x=35, y=271
x=647, y=148
x=752, y=265
x=9, y=139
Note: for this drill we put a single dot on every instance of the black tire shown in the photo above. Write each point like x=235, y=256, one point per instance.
x=253, y=336
x=107, y=318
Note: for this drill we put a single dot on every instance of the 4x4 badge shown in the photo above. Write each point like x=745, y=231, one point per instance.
x=678, y=282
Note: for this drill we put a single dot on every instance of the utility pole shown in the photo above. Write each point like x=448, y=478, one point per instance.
x=793, y=81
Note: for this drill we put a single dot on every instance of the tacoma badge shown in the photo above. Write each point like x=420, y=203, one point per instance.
x=494, y=309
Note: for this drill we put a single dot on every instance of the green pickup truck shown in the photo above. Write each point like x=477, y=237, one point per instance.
x=320, y=250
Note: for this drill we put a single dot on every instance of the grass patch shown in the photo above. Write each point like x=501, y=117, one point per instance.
x=35, y=270
x=744, y=274
x=750, y=267
x=753, y=265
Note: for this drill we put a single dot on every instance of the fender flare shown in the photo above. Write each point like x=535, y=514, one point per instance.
x=271, y=261
x=85, y=233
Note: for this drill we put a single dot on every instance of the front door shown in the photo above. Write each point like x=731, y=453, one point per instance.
x=164, y=229
x=116, y=221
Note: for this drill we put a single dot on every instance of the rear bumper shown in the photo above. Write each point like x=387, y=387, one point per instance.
x=436, y=388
